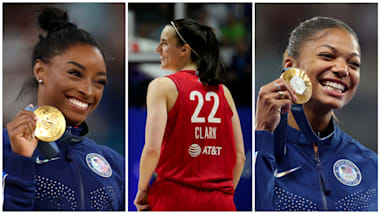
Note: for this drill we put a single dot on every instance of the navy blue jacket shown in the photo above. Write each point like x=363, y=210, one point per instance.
x=343, y=176
x=84, y=176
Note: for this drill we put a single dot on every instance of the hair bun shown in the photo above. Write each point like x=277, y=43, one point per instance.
x=54, y=19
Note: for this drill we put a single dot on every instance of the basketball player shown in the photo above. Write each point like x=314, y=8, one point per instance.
x=193, y=135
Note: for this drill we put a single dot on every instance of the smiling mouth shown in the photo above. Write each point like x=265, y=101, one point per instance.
x=334, y=86
x=79, y=104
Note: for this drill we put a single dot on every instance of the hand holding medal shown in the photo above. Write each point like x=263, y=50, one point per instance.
x=301, y=86
x=45, y=123
x=294, y=86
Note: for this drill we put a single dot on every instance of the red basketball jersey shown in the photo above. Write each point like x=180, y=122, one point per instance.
x=198, y=148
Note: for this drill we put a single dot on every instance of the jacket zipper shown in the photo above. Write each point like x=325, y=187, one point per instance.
x=81, y=187
x=322, y=180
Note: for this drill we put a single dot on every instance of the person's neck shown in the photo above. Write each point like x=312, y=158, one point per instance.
x=192, y=67
x=319, y=120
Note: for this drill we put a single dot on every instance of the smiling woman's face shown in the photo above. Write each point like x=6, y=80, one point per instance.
x=169, y=49
x=332, y=62
x=73, y=82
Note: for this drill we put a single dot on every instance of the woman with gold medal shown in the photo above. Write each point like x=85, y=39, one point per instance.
x=304, y=161
x=48, y=162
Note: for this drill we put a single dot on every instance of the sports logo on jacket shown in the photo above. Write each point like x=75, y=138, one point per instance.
x=195, y=150
x=347, y=172
x=99, y=165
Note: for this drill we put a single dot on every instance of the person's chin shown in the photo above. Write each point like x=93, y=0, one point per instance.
x=334, y=103
x=74, y=119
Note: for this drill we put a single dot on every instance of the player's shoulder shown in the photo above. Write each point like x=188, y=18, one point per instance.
x=226, y=91
x=228, y=95
x=161, y=82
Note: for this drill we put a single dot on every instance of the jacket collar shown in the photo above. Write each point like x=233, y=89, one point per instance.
x=295, y=136
x=74, y=135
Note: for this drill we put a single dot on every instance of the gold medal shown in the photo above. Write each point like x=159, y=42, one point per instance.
x=300, y=82
x=51, y=124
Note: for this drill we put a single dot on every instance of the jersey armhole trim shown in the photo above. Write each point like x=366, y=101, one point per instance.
x=171, y=113
x=226, y=101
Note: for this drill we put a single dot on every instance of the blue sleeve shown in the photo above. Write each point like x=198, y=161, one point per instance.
x=264, y=169
x=18, y=181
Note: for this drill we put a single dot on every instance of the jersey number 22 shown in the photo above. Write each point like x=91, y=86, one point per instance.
x=211, y=117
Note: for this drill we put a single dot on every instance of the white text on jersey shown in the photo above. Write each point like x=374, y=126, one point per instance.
x=211, y=150
x=205, y=132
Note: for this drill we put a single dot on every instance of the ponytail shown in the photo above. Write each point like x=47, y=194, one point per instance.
x=206, y=54
x=211, y=69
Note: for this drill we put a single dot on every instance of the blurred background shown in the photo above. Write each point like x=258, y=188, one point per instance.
x=106, y=23
x=273, y=24
x=232, y=24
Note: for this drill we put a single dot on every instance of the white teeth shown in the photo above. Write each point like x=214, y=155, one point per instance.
x=333, y=89
x=334, y=86
x=78, y=103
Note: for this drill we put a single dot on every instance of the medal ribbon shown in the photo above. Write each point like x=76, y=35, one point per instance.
x=305, y=127
x=303, y=124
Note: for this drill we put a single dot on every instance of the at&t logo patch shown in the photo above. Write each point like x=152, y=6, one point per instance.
x=195, y=150
x=347, y=172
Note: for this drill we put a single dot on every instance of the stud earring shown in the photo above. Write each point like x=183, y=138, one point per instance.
x=40, y=81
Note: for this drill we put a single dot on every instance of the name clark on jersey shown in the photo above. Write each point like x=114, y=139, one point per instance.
x=205, y=133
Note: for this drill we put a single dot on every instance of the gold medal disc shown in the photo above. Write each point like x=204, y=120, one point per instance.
x=51, y=124
x=300, y=82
